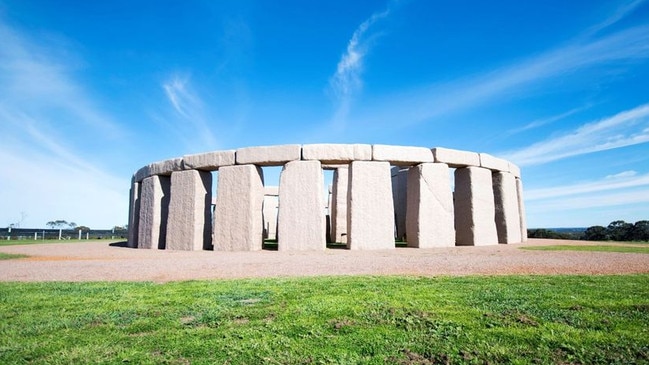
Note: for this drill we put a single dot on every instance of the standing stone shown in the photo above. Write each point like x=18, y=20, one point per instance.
x=270, y=206
x=430, y=216
x=475, y=223
x=399, y=200
x=189, y=224
x=508, y=223
x=338, y=208
x=154, y=210
x=301, y=218
x=521, y=209
x=370, y=216
x=134, y=214
x=238, y=221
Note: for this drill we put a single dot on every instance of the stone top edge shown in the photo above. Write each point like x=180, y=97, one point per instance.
x=329, y=154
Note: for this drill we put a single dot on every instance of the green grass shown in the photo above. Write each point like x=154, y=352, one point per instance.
x=342, y=320
x=9, y=256
x=597, y=248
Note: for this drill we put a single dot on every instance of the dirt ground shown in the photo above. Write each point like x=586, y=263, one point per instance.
x=101, y=261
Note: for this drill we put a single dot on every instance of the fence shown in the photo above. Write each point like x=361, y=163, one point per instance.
x=64, y=234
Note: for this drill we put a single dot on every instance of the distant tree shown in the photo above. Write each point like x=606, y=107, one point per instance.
x=120, y=228
x=58, y=223
x=640, y=231
x=72, y=225
x=547, y=233
x=82, y=228
x=619, y=231
x=595, y=233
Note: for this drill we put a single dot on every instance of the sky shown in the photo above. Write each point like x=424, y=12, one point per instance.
x=90, y=91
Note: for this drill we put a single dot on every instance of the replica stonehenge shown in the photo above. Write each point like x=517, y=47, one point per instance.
x=380, y=194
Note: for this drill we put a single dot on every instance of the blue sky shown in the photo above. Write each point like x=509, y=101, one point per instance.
x=91, y=91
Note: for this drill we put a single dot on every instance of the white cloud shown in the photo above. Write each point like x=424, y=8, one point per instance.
x=623, y=180
x=624, y=129
x=192, y=123
x=545, y=121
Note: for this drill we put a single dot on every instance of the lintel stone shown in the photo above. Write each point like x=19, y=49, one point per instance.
x=402, y=155
x=493, y=163
x=166, y=167
x=209, y=161
x=514, y=170
x=456, y=158
x=268, y=155
x=337, y=153
x=142, y=173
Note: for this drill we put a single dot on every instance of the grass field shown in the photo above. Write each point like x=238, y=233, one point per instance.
x=342, y=320
x=593, y=248
x=10, y=256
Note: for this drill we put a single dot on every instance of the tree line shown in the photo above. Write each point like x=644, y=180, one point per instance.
x=616, y=231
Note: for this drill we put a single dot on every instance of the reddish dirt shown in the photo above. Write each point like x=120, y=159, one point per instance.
x=99, y=261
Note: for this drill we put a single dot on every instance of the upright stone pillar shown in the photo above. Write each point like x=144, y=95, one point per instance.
x=154, y=211
x=521, y=209
x=430, y=216
x=338, y=208
x=134, y=214
x=238, y=221
x=475, y=223
x=508, y=223
x=370, y=215
x=399, y=199
x=301, y=218
x=270, y=207
x=189, y=224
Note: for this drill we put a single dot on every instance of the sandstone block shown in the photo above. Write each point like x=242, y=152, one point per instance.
x=301, y=219
x=134, y=214
x=493, y=163
x=456, y=158
x=209, y=161
x=189, y=225
x=142, y=174
x=508, y=223
x=430, y=217
x=399, y=200
x=268, y=155
x=238, y=220
x=370, y=215
x=521, y=209
x=515, y=170
x=337, y=153
x=271, y=190
x=475, y=223
x=166, y=167
x=401, y=155
x=338, y=206
x=154, y=211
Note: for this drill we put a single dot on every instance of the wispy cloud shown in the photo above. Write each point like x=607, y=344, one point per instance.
x=45, y=115
x=624, y=129
x=617, y=15
x=192, y=123
x=545, y=121
x=623, y=180
x=346, y=81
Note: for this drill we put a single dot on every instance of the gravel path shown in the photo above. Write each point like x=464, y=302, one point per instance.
x=99, y=261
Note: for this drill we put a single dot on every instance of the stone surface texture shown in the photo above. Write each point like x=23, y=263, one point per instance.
x=475, y=223
x=493, y=163
x=189, y=225
x=370, y=215
x=508, y=224
x=338, y=207
x=515, y=170
x=166, y=167
x=238, y=221
x=399, y=200
x=521, y=209
x=142, y=173
x=401, y=155
x=430, y=213
x=209, y=161
x=154, y=210
x=456, y=158
x=337, y=153
x=301, y=223
x=269, y=155
x=134, y=214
